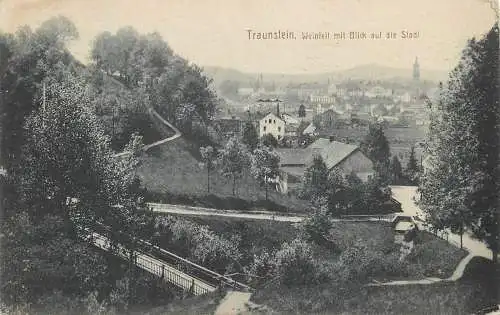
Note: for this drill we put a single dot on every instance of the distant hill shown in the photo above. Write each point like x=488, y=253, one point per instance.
x=361, y=72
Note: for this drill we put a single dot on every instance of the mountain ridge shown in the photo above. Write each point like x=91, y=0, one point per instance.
x=370, y=71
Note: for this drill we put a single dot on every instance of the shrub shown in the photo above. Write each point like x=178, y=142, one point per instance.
x=261, y=267
x=198, y=243
x=316, y=226
x=294, y=263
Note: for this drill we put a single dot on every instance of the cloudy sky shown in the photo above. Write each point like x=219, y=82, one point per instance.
x=213, y=32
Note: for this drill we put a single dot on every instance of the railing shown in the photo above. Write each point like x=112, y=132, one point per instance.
x=152, y=265
x=168, y=265
x=368, y=217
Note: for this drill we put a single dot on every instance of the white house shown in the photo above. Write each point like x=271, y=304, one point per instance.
x=272, y=124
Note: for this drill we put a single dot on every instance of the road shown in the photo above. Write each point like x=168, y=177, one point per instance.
x=406, y=195
x=255, y=215
x=186, y=210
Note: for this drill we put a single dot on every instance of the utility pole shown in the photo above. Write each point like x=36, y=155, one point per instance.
x=43, y=104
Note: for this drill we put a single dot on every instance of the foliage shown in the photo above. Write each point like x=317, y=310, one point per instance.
x=294, y=263
x=209, y=158
x=38, y=259
x=302, y=110
x=315, y=182
x=198, y=243
x=460, y=186
x=233, y=159
x=250, y=136
x=269, y=140
x=376, y=147
x=177, y=89
x=317, y=226
x=396, y=171
x=265, y=166
x=27, y=58
x=412, y=170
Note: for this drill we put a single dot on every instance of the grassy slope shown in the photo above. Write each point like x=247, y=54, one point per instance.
x=432, y=257
x=173, y=168
x=477, y=290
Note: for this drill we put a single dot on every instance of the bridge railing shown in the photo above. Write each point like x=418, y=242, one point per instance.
x=150, y=264
x=192, y=269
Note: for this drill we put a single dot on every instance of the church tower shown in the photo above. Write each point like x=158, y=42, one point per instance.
x=416, y=70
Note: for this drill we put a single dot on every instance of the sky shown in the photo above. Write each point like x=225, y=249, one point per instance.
x=214, y=32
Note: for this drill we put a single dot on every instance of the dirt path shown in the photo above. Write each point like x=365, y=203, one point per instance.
x=234, y=302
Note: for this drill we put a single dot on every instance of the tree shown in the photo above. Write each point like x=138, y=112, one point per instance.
x=265, y=166
x=338, y=193
x=233, y=158
x=302, y=111
x=315, y=182
x=460, y=185
x=177, y=89
x=269, y=140
x=412, y=169
x=26, y=58
x=396, y=171
x=250, y=136
x=376, y=148
x=209, y=158
x=78, y=163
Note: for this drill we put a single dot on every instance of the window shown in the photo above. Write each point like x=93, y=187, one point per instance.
x=270, y=120
x=274, y=121
x=279, y=137
x=279, y=128
x=264, y=128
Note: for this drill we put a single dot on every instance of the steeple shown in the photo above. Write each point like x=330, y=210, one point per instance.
x=416, y=70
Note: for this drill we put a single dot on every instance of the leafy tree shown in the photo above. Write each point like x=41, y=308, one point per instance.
x=269, y=140
x=412, y=169
x=302, y=111
x=460, y=186
x=317, y=225
x=294, y=264
x=338, y=193
x=250, y=136
x=265, y=166
x=376, y=148
x=209, y=158
x=315, y=182
x=396, y=171
x=178, y=90
x=26, y=58
x=233, y=158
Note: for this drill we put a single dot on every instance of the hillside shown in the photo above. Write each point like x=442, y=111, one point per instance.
x=172, y=172
x=361, y=72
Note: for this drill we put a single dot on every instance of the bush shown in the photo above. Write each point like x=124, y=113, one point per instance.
x=261, y=267
x=294, y=263
x=198, y=243
x=317, y=226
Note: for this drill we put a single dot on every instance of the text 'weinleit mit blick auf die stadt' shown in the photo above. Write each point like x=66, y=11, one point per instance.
x=338, y=36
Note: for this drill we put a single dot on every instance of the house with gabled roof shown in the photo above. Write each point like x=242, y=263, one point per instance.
x=343, y=157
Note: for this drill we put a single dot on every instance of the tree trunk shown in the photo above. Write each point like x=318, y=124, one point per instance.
x=208, y=180
x=234, y=185
x=266, y=184
x=461, y=237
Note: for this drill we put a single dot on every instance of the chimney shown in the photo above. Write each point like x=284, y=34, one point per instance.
x=332, y=138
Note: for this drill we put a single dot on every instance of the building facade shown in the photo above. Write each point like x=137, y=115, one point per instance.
x=272, y=124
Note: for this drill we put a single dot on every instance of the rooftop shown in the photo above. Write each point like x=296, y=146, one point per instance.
x=332, y=152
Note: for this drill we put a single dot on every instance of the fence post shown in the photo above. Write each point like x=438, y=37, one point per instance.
x=191, y=289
